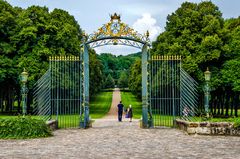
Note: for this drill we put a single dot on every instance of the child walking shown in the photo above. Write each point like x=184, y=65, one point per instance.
x=130, y=113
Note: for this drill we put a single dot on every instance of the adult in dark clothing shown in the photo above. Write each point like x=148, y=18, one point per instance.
x=120, y=111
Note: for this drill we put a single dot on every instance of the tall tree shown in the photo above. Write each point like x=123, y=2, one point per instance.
x=123, y=80
x=96, y=75
x=135, y=79
x=28, y=37
x=109, y=82
x=8, y=80
x=195, y=32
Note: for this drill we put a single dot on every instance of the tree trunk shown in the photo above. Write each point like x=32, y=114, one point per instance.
x=215, y=105
x=232, y=103
x=218, y=103
x=236, y=103
x=227, y=103
x=19, y=103
x=222, y=99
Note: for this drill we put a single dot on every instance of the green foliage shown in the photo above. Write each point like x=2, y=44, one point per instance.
x=135, y=79
x=123, y=80
x=109, y=83
x=95, y=73
x=195, y=32
x=198, y=33
x=115, y=65
x=23, y=128
x=237, y=123
x=27, y=38
x=230, y=68
x=40, y=34
x=230, y=74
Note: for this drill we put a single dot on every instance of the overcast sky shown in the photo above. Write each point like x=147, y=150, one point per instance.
x=142, y=15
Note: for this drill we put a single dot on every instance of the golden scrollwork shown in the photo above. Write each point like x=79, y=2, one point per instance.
x=115, y=28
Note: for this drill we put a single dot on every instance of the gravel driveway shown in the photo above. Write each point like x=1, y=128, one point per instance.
x=109, y=139
x=112, y=139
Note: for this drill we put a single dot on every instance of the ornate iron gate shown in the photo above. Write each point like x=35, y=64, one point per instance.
x=172, y=92
x=59, y=93
x=168, y=92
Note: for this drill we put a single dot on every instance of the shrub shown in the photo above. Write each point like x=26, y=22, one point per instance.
x=237, y=123
x=23, y=128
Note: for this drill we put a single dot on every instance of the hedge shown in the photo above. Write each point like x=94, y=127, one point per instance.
x=23, y=128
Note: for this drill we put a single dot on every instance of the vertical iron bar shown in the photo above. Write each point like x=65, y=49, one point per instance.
x=74, y=91
x=160, y=94
x=173, y=89
x=57, y=76
x=50, y=82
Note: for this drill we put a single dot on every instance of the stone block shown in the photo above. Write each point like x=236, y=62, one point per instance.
x=52, y=124
x=198, y=130
x=208, y=128
x=193, y=124
x=203, y=124
x=191, y=130
x=205, y=131
x=214, y=124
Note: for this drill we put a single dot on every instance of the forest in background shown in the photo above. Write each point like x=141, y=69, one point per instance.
x=196, y=31
x=116, y=69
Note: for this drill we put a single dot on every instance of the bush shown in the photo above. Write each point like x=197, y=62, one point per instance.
x=237, y=123
x=23, y=128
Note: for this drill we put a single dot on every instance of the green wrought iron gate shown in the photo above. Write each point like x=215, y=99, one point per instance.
x=172, y=92
x=168, y=92
x=59, y=93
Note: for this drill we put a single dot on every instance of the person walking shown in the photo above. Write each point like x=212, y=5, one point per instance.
x=120, y=111
x=130, y=113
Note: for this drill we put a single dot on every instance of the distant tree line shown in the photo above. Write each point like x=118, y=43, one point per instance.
x=198, y=32
x=116, y=69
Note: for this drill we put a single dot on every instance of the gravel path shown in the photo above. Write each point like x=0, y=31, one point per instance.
x=116, y=98
x=119, y=140
x=112, y=139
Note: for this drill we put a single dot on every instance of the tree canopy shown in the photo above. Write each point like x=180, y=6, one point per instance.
x=198, y=32
x=118, y=66
x=27, y=38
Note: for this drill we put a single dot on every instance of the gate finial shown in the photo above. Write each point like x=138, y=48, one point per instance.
x=115, y=17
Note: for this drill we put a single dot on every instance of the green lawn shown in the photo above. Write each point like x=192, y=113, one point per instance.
x=99, y=107
x=129, y=98
x=163, y=120
x=7, y=116
x=100, y=104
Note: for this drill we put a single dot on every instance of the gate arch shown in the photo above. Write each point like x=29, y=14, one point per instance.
x=168, y=92
x=116, y=32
